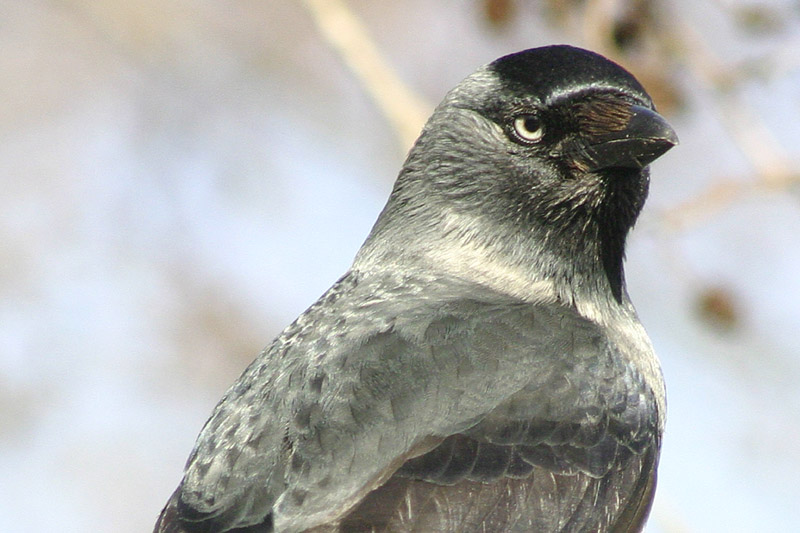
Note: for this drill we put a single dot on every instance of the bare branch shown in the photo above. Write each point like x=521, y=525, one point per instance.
x=405, y=111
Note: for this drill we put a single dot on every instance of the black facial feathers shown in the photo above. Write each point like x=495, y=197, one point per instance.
x=555, y=70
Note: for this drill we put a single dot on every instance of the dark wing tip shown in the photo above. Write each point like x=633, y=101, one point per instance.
x=168, y=521
x=172, y=520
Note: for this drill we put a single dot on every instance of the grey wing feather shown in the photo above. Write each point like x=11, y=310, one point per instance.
x=579, y=457
x=365, y=381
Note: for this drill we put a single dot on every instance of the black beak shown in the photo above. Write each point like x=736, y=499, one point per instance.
x=646, y=137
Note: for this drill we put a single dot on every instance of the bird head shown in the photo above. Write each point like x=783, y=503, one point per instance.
x=540, y=159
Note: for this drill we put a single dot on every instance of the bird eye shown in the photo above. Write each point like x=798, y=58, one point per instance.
x=528, y=128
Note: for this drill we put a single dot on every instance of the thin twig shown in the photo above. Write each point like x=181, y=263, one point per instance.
x=405, y=111
x=752, y=136
x=772, y=167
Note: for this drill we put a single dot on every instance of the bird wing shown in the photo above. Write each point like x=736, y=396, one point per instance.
x=519, y=471
x=382, y=381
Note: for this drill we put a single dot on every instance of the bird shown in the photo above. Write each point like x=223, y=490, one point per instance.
x=480, y=367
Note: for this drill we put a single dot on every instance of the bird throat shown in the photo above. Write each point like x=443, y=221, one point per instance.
x=626, y=191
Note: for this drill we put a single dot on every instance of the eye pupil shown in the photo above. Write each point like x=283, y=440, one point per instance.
x=528, y=128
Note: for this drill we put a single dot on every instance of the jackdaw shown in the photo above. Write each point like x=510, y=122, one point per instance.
x=480, y=367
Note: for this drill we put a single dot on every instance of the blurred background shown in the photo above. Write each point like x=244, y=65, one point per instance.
x=181, y=178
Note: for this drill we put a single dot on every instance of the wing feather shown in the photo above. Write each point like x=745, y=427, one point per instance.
x=349, y=394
